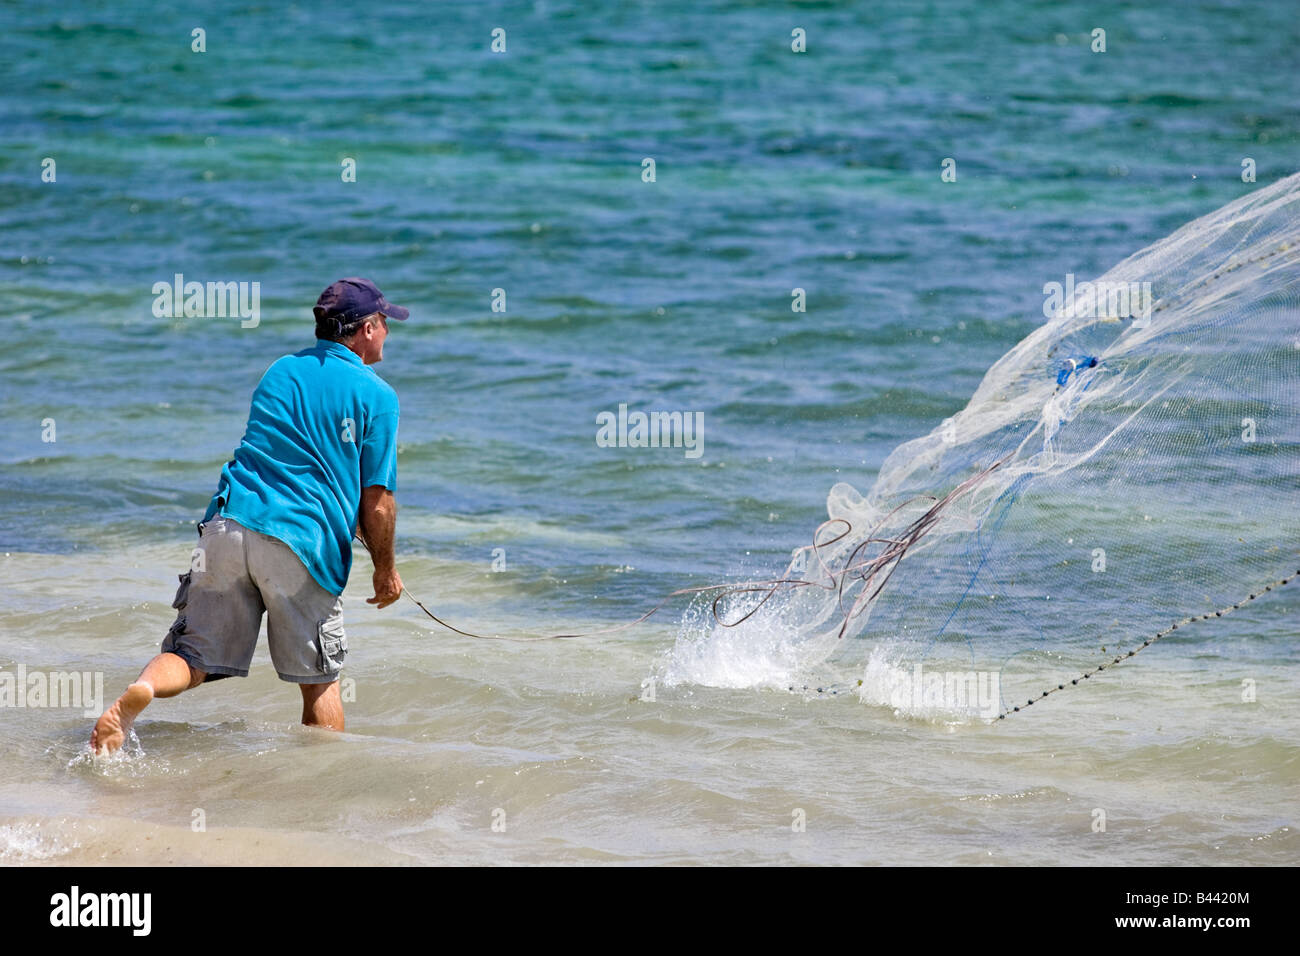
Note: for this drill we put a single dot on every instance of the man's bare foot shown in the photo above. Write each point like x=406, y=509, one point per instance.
x=112, y=727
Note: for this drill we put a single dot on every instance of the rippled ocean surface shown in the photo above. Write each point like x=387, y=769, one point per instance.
x=522, y=171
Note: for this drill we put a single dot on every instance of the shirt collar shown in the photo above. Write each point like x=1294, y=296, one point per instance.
x=341, y=350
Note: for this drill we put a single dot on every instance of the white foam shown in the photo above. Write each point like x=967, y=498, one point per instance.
x=910, y=689
x=28, y=843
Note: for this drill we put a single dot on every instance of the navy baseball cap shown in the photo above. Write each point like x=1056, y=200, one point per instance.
x=352, y=299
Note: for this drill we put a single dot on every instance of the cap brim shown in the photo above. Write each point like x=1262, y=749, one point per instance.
x=393, y=311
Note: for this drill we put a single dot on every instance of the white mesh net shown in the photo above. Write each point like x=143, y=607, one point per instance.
x=1132, y=462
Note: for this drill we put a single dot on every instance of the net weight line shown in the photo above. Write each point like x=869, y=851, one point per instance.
x=1148, y=642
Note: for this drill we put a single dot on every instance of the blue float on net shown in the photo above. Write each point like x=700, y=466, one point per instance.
x=1072, y=365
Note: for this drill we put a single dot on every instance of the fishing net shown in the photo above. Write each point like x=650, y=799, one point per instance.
x=1131, y=464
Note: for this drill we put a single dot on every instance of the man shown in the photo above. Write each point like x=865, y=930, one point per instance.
x=317, y=462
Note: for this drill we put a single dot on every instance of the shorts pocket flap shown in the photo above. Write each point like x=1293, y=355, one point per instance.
x=332, y=646
x=183, y=592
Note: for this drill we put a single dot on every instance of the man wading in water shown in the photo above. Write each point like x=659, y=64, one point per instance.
x=318, y=460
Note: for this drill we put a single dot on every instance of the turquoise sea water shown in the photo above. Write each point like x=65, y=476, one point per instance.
x=522, y=171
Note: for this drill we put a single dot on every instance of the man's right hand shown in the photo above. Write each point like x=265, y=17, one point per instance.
x=388, y=587
x=378, y=520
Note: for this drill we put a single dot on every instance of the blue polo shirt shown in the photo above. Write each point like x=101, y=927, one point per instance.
x=322, y=426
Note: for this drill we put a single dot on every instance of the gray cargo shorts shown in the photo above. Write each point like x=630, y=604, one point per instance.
x=235, y=576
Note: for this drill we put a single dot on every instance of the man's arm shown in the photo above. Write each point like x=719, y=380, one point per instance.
x=377, y=525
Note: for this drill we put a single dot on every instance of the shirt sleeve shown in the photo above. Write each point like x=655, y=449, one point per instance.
x=379, y=450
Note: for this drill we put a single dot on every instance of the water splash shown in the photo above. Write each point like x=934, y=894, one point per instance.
x=129, y=760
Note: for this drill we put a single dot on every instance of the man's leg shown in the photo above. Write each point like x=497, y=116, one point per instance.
x=165, y=676
x=322, y=706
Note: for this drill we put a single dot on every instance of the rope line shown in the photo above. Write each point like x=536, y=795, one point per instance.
x=866, y=570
